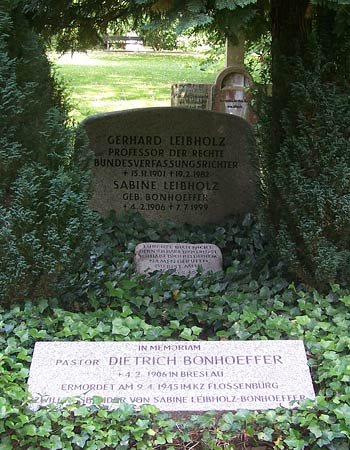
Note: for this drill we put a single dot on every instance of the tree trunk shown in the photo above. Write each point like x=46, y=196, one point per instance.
x=290, y=27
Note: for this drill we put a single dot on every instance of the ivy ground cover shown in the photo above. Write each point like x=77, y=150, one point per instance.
x=250, y=299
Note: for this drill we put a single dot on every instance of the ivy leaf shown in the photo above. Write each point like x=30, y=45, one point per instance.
x=230, y=423
x=149, y=409
x=54, y=443
x=119, y=328
x=266, y=435
x=29, y=430
x=190, y=333
x=113, y=291
x=295, y=440
x=196, y=330
x=233, y=4
x=80, y=440
x=295, y=443
x=315, y=430
x=343, y=412
x=127, y=311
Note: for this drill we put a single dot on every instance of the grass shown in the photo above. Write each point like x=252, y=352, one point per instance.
x=101, y=81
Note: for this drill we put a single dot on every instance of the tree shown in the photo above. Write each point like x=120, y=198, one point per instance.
x=305, y=154
x=79, y=23
x=46, y=228
x=159, y=36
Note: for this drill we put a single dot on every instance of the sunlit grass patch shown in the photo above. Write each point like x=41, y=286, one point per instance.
x=108, y=81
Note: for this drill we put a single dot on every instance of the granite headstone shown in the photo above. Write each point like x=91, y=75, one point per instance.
x=172, y=163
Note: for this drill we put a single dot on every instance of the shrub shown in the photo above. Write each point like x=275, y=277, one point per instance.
x=45, y=225
x=308, y=181
x=109, y=273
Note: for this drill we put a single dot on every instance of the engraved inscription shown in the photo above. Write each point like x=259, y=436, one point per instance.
x=156, y=169
x=185, y=165
x=183, y=259
x=174, y=376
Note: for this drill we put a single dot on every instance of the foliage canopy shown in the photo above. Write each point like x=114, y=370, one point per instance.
x=80, y=23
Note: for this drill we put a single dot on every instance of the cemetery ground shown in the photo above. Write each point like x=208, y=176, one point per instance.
x=252, y=298
x=69, y=275
x=114, y=81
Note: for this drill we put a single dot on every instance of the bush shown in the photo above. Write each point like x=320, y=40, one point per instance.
x=110, y=268
x=308, y=181
x=45, y=225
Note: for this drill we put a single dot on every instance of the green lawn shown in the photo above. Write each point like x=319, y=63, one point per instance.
x=102, y=81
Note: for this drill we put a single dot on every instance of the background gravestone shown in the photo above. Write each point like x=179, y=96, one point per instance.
x=189, y=95
x=172, y=163
x=230, y=93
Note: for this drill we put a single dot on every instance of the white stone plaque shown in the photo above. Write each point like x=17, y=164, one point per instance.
x=174, y=376
x=183, y=259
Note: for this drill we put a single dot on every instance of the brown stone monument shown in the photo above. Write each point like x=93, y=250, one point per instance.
x=231, y=95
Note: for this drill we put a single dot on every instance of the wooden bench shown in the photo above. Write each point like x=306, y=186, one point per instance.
x=121, y=41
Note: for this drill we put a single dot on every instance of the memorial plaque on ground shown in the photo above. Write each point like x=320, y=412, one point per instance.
x=183, y=259
x=172, y=163
x=174, y=376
